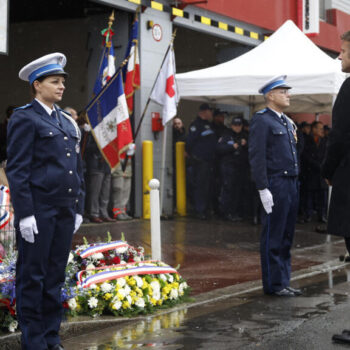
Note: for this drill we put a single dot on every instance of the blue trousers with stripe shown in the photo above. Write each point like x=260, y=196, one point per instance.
x=40, y=273
x=277, y=234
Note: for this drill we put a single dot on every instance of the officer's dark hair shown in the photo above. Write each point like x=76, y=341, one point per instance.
x=346, y=36
x=32, y=88
x=315, y=123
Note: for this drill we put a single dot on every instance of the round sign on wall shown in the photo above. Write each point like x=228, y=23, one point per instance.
x=157, y=32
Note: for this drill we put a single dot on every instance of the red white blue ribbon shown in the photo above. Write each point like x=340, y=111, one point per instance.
x=99, y=248
x=112, y=275
x=5, y=212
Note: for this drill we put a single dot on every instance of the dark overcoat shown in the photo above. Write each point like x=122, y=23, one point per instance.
x=311, y=159
x=336, y=167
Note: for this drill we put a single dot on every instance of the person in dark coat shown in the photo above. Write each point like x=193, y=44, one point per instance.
x=47, y=191
x=336, y=167
x=232, y=149
x=274, y=166
x=200, y=147
x=315, y=186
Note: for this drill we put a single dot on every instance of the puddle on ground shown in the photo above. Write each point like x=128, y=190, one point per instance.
x=232, y=323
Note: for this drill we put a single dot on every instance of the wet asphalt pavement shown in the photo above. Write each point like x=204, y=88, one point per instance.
x=221, y=262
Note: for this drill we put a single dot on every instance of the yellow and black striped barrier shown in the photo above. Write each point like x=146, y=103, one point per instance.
x=176, y=12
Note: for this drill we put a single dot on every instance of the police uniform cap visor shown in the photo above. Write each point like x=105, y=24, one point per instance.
x=51, y=64
x=275, y=83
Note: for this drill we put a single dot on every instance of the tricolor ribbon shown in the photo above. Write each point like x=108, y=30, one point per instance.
x=99, y=248
x=112, y=275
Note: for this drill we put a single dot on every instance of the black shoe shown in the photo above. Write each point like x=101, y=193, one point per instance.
x=295, y=291
x=56, y=347
x=343, y=338
x=284, y=293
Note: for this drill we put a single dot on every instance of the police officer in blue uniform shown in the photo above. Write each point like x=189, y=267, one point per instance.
x=47, y=189
x=200, y=146
x=274, y=167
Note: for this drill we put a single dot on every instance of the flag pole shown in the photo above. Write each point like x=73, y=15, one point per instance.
x=162, y=169
x=149, y=98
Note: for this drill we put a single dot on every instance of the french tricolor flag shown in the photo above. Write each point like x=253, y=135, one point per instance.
x=109, y=120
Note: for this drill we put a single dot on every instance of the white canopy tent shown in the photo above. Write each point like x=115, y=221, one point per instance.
x=314, y=76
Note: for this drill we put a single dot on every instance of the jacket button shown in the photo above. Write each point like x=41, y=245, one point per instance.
x=68, y=154
x=65, y=138
x=69, y=190
x=50, y=133
x=77, y=200
x=286, y=172
x=70, y=172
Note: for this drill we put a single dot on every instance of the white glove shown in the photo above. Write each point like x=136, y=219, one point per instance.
x=87, y=127
x=78, y=221
x=28, y=227
x=131, y=151
x=266, y=200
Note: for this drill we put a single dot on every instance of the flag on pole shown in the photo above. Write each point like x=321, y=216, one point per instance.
x=109, y=120
x=107, y=65
x=165, y=90
x=132, y=69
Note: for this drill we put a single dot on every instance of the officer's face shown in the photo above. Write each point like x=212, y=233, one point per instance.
x=50, y=90
x=280, y=98
x=237, y=128
x=344, y=56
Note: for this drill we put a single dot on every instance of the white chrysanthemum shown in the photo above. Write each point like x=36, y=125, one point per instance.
x=173, y=294
x=106, y=287
x=140, y=302
x=13, y=326
x=121, y=250
x=128, y=298
x=122, y=292
x=182, y=287
x=137, y=259
x=156, y=295
x=70, y=258
x=170, y=278
x=155, y=286
x=127, y=289
x=139, y=281
x=97, y=256
x=90, y=266
x=117, y=305
x=163, y=277
x=72, y=303
x=121, y=282
x=92, y=302
x=93, y=286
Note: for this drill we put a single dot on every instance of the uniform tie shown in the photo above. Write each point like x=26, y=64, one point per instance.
x=55, y=117
x=283, y=118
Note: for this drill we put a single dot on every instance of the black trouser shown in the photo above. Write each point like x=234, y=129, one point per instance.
x=202, y=173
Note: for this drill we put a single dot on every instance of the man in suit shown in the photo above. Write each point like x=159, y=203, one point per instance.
x=274, y=166
x=336, y=167
x=47, y=190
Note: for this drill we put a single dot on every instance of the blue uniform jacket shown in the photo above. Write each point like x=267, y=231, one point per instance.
x=44, y=162
x=272, y=148
x=201, y=140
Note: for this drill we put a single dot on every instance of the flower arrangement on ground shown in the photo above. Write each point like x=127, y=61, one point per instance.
x=113, y=278
x=109, y=278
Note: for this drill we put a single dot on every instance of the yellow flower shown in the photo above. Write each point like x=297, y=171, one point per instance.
x=177, y=277
x=120, y=296
x=153, y=301
x=131, y=282
x=126, y=305
x=108, y=296
x=132, y=293
x=160, y=301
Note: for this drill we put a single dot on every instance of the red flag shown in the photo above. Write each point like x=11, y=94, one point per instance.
x=132, y=72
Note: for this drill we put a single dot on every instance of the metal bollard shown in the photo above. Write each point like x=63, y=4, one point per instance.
x=180, y=179
x=155, y=220
x=147, y=175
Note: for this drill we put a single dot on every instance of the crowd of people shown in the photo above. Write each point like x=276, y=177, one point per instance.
x=219, y=179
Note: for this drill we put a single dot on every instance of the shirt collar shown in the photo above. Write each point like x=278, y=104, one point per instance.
x=278, y=113
x=47, y=108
